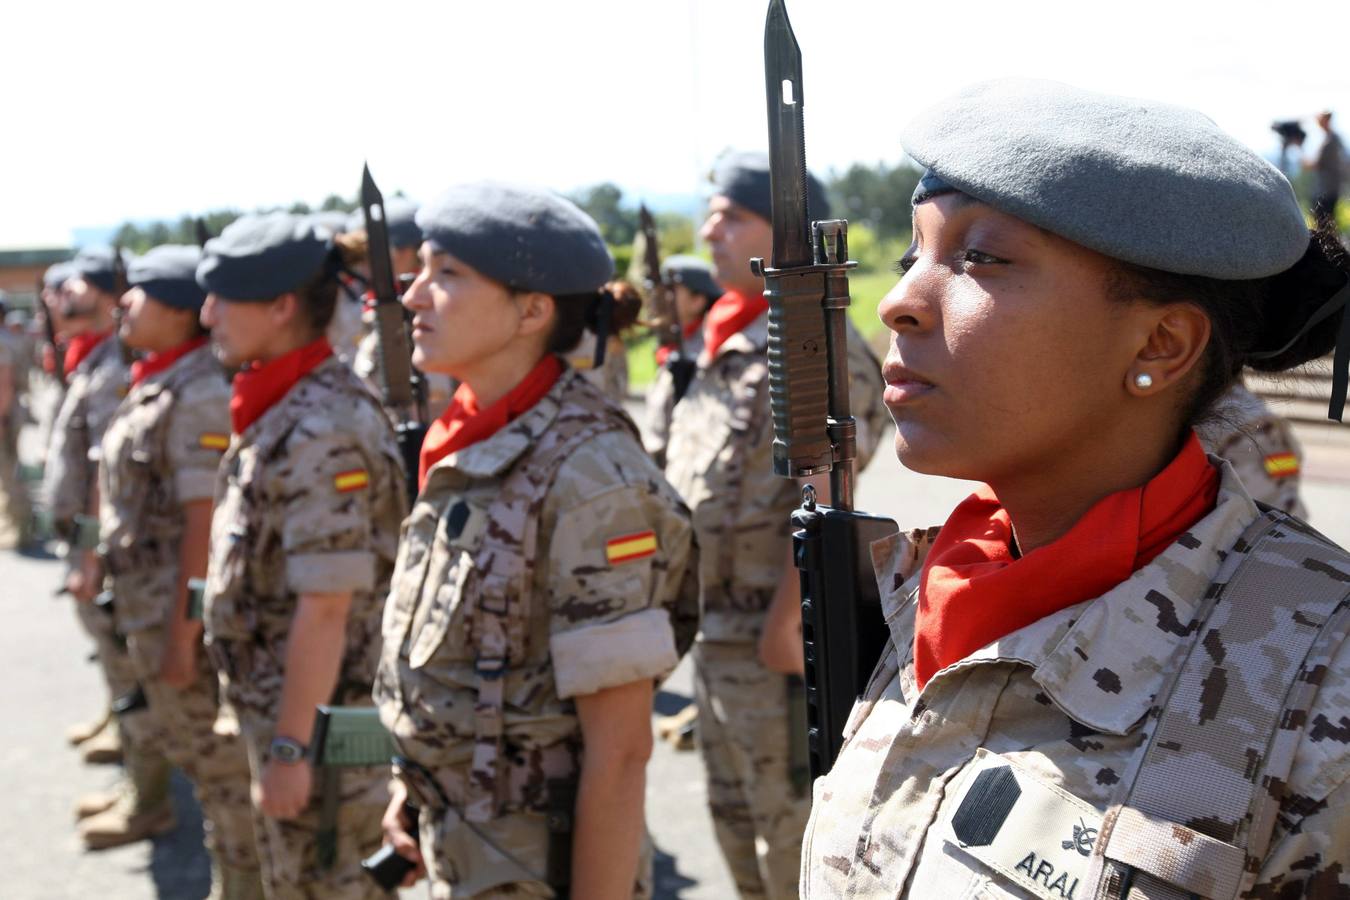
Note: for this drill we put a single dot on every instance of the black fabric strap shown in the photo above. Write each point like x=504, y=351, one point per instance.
x=1340, y=369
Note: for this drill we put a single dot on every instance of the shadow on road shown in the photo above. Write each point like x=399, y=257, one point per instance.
x=668, y=703
x=179, y=864
x=668, y=882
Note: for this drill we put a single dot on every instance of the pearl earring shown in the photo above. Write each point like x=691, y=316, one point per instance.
x=1143, y=381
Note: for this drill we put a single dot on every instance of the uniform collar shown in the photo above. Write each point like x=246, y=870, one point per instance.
x=753, y=338
x=189, y=363
x=489, y=458
x=1104, y=661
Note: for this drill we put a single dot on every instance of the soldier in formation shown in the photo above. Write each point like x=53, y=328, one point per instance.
x=695, y=288
x=157, y=478
x=546, y=581
x=719, y=457
x=308, y=503
x=1107, y=657
x=14, y=509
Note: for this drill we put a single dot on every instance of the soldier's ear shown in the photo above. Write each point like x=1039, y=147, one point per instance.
x=536, y=312
x=285, y=311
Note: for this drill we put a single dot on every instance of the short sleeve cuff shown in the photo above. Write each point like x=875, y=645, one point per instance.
x=322, y=573
x=595, y=657
x=194, y=484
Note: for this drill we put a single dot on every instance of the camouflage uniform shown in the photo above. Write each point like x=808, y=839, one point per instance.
x=309, y=499
x=440, y=388
x=612, y=376
x=1067, y=701
x=720, y=459
x=1261, y=448
x=611, y=600
x=96, y=387
x=14, y=509
x=162, y=450
x=661, y=403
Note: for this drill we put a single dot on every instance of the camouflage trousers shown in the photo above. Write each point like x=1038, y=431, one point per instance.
x=181, y=725
x=111, y=651
x=14, y=506
x=743, y=735
x=289, y=851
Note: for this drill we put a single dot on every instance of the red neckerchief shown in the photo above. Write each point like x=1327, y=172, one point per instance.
x=690, y=329
x=151, y=363
x=463, y=423
x=972, y=590
x=80, y=346
x=732, y=312
x=259, y=385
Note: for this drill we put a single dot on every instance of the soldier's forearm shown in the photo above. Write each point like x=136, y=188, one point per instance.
x=314, y=649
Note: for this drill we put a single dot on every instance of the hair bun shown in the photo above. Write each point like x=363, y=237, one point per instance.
x=1300, y=321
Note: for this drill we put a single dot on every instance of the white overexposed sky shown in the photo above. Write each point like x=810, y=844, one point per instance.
x=144, y=109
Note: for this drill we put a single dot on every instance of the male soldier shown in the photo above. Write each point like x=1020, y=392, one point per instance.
x=97, y=377
x=309, y=501
x=156, y=480
x=720, y=458
x=14, y=512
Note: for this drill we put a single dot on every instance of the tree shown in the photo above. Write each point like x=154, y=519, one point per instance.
x=603, y=203
x=876, y=196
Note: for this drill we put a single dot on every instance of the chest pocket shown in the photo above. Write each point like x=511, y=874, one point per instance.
x=439, y=606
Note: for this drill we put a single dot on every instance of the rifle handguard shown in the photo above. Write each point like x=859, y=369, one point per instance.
x=799, y=351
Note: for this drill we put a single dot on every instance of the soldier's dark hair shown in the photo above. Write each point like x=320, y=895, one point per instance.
x=318, y=296
x=578, y=313
x=1248, y=317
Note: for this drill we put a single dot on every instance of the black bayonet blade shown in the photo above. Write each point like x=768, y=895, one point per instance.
x=787, y=145
x=394, y=354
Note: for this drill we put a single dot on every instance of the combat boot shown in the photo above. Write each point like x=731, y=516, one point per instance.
x=104, y=748
x=144, y=810
x=78, y=734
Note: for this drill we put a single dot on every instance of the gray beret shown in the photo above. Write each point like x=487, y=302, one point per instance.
x=330, y=222
x=168, y=273
x=400, y=215
x=692, y=272
x=743, y=178
x=1151, y=184
x=95, y=265
x=526, y=238
x=56, y=275
x=260, y=257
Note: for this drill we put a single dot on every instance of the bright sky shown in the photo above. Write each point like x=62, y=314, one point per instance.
x=142, y=109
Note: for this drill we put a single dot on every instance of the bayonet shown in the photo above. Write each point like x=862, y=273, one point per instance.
x=806, y=284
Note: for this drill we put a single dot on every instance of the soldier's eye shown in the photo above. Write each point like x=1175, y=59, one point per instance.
x=904, y=264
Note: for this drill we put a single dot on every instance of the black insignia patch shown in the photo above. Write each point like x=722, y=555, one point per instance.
x=986, y=806
x=455, y=520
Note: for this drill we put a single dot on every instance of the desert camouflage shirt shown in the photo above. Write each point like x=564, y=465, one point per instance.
x=309, y=499
x=720, y=458
x=96, y=387
x=1260, y=446
x=661, y=403
x=611, y=598
x=1062, y=700
x=161, y=450
x=612, y=375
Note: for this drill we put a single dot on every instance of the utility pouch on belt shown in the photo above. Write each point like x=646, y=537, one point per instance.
x=562, y=804
x=343, y=736
x=196, y=598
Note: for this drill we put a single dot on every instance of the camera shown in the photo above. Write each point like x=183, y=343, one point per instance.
x=1291, y=132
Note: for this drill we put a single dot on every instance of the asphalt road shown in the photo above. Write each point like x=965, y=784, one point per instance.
x=50, y=684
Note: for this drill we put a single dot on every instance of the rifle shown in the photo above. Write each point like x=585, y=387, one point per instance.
x=665, y=322
x=806, y=284
x=404, y=388
x=120, y=287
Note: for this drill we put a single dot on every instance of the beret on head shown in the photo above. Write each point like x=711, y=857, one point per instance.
x=400, y=216
x=743, y=178
x=260, y=257
x=330, y=222
x=56, y=275
x=525, y=238
x=1151, y=184
x=168, y=273
x=692, y=272
x=95, y=265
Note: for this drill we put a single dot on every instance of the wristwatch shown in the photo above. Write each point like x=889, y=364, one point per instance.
x=287, y=750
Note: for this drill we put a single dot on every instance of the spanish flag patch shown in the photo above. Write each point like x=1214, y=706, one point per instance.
x=1281, y=465
x=352, y=480
x=630, y=547
x=213, y=440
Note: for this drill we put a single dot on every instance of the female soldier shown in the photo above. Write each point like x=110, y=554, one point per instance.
x=156, y=480
x=695, y=289
x=546, y=576
x=1087, y=691
x=303, y=539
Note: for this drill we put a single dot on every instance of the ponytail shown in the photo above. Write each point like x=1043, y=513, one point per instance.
x=611, y=310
